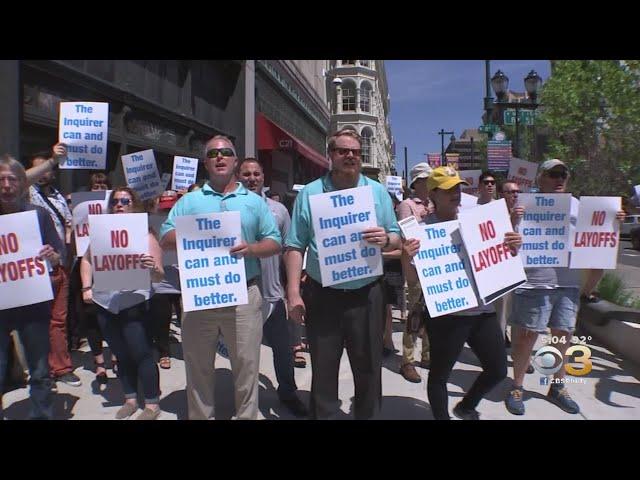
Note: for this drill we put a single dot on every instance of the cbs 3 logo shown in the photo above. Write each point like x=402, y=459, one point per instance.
x=548, y=360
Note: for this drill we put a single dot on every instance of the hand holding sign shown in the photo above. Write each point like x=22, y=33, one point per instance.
x=49, y=254
x=411, y=247
x=375, y=236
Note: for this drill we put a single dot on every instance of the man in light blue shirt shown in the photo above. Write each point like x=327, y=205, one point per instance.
x=347, y=314
x=241, y=325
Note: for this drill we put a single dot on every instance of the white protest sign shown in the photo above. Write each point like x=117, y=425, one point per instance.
x=594, y=244
x=141, y=173
x=84, y=128
x=24, y=278
x=339, y=218
x=523, y=173
x=472, y=177
x=495, y=270
x=85, y=204
x=117, y=243
x=185, y=170
x=209, y=276
x=545, y=229
x=394, y=186
x=443, y=267
x=467, y=201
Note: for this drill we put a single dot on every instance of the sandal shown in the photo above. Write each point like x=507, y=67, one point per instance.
x=165, y=362
x=298, y=358
x=591, y=298
x=101, y=377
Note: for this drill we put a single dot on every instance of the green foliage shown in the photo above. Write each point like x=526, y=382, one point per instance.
x=613, y=289
x=592, y=111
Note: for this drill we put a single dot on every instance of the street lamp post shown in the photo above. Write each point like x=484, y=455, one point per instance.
x=500, y=85
x=442, y=133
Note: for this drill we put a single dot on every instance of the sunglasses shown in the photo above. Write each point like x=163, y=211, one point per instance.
x=100, y=186
x=121, y=201
x=225, y=152
x=345, y=151
x=489, y=182
x=563, y=175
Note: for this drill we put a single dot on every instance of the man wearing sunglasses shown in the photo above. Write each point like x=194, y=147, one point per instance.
x=549, y=299
x=486, y=188
x=348, y=314
x=241, y=325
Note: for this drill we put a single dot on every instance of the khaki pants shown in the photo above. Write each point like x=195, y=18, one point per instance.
x=242, y=330
x=409, y=339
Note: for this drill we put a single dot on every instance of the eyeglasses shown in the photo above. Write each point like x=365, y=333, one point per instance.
x=511, y=192
x=10, y=179
x=121, y=201
x=557, y=174
x=345, y=151
x=225, y=152
x=489, y=182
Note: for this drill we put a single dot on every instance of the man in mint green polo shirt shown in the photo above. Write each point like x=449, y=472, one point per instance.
x=348, y=314
x=241, y=325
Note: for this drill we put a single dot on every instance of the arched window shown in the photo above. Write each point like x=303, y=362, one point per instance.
x=366, y=135
x=348, y=96
x=365, y=97
x=348, y=62
x=365, y=63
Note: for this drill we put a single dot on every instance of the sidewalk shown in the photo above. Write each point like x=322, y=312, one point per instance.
x=610, y=391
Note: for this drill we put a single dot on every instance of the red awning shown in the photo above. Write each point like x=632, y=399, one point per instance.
x=271, y=137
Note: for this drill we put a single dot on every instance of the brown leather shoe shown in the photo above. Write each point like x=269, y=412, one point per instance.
x=410, y=374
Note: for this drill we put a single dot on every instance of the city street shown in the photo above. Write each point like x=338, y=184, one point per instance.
x=610, y=391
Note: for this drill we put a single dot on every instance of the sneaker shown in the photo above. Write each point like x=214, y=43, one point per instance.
x=70, y=379
x=295, y=406
x=425, y=363
x=514, y=402
x=126, y=411
x=149, y=414
x=465, y=413
x=409, y=373
x=560, y=396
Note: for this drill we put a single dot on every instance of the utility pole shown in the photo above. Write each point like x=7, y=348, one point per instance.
x=406, y=168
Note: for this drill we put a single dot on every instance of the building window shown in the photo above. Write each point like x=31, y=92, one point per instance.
x=348, y=62
x=365, y=63
x=348, y=96
x=365, y=97
x=366, y=145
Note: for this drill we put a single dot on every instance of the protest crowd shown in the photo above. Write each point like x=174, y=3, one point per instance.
x=316, y=271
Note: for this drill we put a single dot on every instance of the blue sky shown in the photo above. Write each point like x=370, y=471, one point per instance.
x=427, y=95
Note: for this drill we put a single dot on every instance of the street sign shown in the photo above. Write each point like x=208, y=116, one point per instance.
x=489, y=128
x=525, y=117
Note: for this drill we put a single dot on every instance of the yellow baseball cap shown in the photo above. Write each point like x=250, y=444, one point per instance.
x=444, y=178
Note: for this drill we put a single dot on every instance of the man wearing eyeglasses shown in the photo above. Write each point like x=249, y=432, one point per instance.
x=486, y=188
x=241, y=325
x=549, y=299
x=348, y=314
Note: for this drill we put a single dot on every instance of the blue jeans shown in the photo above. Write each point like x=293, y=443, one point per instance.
x=276, y=331
x=32, y=324
x=128, y=335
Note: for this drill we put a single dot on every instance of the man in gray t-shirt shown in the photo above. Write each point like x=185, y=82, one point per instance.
x=549, y=299
x=276, y=327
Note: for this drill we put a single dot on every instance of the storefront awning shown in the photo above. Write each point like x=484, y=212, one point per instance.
x=271, y=137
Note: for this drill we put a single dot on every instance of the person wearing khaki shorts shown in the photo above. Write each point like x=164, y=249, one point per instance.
x=419, y=207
